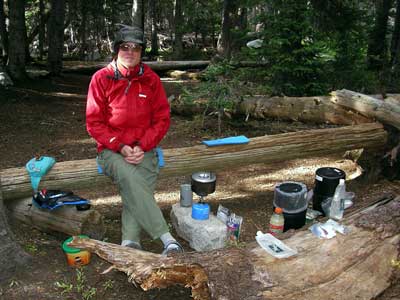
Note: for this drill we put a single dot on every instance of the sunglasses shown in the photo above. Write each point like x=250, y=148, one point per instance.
x=127, y=47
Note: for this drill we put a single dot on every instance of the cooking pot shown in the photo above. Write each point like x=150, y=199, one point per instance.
x=203, y=183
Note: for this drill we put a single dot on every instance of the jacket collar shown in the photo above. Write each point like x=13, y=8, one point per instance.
x=120, y=72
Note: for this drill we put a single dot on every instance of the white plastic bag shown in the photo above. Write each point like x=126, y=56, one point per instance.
x=274, y=246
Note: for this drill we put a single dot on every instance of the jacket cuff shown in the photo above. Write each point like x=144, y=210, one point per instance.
x=115, y=145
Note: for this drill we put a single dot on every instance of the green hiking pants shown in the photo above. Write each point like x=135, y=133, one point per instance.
x=136, y=184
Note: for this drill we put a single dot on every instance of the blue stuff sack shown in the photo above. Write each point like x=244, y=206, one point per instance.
x=160, y=154
x=37, y=167
x=233, y=140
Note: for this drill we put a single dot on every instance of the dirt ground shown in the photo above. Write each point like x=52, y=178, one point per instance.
x=47, y=117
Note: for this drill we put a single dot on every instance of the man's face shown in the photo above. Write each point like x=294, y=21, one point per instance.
x=129, y=54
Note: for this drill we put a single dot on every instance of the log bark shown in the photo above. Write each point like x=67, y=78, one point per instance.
x=386, y=112
x=183, y=161
x=353, y=266
x=318, y=110
x=66, y=219
x=12, y=257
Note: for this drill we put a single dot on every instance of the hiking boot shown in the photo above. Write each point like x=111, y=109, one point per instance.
x=172, y=247
x=133, y=245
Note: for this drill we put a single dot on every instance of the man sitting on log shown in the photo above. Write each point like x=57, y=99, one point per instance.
x=128, y=114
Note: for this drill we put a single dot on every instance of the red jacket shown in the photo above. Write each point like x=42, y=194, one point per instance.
x=129, y=108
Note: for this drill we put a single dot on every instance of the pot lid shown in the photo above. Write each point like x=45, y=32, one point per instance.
x=204, y=177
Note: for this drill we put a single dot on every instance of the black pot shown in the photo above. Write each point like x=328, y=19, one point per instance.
x=203, y=183
x=326, y=181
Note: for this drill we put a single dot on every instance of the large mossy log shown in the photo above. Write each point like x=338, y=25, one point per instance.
x=358, y=265
x=66, y=219
x=182, y=161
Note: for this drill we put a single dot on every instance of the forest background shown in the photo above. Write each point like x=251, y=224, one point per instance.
x=299, y=48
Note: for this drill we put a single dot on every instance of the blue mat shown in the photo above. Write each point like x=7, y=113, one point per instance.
x=233, y=140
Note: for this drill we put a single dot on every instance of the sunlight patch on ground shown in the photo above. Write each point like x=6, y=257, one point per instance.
x=88, y=141
x=248, y=181
x=74, y=142
x=67, y=95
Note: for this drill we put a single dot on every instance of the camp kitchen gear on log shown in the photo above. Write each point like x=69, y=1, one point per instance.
x=328, y=229
x=203, y=184
x=52, y=199
x=233, y=227
x=326, y=181
x=76, y=257
x=186, y=195
x=292, y=197
x=37, y=167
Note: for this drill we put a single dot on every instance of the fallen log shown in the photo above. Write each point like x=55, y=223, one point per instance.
x=182, y=161
x=386, y=112
x=353, y=266
x=156, y=66
x=318, y=109
x=66, y=219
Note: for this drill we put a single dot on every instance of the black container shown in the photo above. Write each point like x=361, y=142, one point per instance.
x=326, y=181
x=295, y=220
x=203, y=183
x=291, y=196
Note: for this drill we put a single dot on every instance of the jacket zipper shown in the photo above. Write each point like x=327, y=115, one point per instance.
x=127, y=87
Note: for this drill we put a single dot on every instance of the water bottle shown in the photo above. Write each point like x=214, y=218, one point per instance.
x=337, y=205
x=276, y=222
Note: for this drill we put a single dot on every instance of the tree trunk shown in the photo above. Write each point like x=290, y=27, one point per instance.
x=17, y=40
x=138, y=13
x=36, y=30
x=182, y=161
x=225, y=41
x=178, y=29
x=83, y=47
x=3, y=33
x=385, y=112
x=352, y=266
x=66, y=219
x=153, y=20
x=377, y=46
x=56, y=37
x=42, y=29
x=395, y=41
x=11, y=254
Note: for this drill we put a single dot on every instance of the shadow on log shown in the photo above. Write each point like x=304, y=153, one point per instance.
x=353, y=266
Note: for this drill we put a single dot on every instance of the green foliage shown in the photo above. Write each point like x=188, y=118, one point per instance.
x=219, y=89
x=81, y=287
x=32, y=248
x=65, y=287
x=291, y=48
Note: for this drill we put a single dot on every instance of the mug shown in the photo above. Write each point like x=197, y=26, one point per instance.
x=186, y=197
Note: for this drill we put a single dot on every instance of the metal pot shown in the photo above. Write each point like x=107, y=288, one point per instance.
x=203, y=183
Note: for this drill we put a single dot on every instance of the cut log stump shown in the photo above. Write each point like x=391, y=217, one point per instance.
x=358, y=265
x=66, y=219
